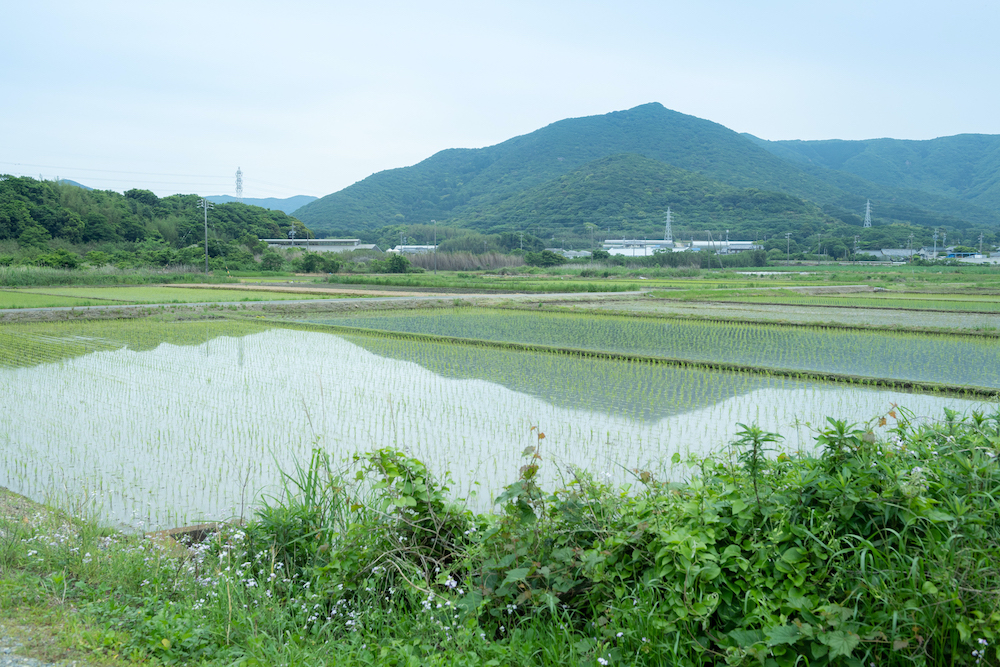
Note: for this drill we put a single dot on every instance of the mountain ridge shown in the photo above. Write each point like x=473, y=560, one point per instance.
x=461, y=184
x=287, y=205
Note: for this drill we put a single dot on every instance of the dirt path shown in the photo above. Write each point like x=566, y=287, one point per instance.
x=407, y=300
x=293, y=289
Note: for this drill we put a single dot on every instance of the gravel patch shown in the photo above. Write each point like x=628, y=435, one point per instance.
x=9, y=646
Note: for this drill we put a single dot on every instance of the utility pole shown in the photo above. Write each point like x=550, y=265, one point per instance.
x=788, y=246
x=935, y=243
x=434, y=222
x=205, y=204
x=856, y=248
x=980, y=243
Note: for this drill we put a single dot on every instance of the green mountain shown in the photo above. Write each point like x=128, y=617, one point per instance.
x=965, y=167
x=488, y=188
x=628, y=193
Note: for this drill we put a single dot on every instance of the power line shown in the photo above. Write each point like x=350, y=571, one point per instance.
x=106, y=171
x=213, y=181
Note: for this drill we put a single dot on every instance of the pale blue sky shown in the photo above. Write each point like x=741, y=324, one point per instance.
x=309, y=97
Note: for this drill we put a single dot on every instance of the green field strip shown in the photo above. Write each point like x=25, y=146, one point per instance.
x=943, y=305
x=19, y=299
x=892, y=301
x=178, y=295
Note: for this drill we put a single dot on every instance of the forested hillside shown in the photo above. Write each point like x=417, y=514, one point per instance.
x=627, y=192
x=964, y=167
x=49, y=210
x=132, y=229
x=462, y=186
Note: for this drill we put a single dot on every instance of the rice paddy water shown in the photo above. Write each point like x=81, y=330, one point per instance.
x=156, y=424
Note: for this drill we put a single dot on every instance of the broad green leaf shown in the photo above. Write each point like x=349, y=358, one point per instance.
x=517, y=574
x=470, y=602
x=841, y=642
x=710, y=571
x=783, y=634
x=793, y=555
x=937, y=516
x=745, y=638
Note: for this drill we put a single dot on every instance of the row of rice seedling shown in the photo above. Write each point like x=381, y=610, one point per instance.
x=923, y=320
x=957, y=303
x=166, y=434
x=954, y=360
x=10, y=298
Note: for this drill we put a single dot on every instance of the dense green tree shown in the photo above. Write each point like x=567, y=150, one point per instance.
x=144, y=196
x=14, y=219
x=317, y=262
x=271, y=261
x=97, y=258
x=97, y=228
x=544, y=258
x=58, y=259
x=397, y=263
x=34, y=236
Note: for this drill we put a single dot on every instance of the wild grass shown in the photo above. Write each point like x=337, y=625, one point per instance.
x=37, y=276
x=465, y=261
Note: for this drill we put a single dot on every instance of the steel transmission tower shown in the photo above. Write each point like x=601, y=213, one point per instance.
x=239, y=185
x=868, y=213
x=668, y=233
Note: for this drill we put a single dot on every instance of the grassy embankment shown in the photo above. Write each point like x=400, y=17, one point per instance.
x=35, y=276
x=868, y=553
x=51, y=297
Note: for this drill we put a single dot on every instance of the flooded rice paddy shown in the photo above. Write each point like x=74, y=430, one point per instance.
x=164, y=424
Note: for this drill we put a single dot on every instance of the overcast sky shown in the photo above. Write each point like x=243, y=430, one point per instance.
x=310, y=97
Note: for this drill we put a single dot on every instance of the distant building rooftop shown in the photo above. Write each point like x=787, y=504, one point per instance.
x=321, y=245
x=570, y=254
x=646, y=247
x=413, y=249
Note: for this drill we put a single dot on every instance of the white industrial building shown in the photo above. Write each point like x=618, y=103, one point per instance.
x=647, y=247
x=321, y=245
x=412, y=249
